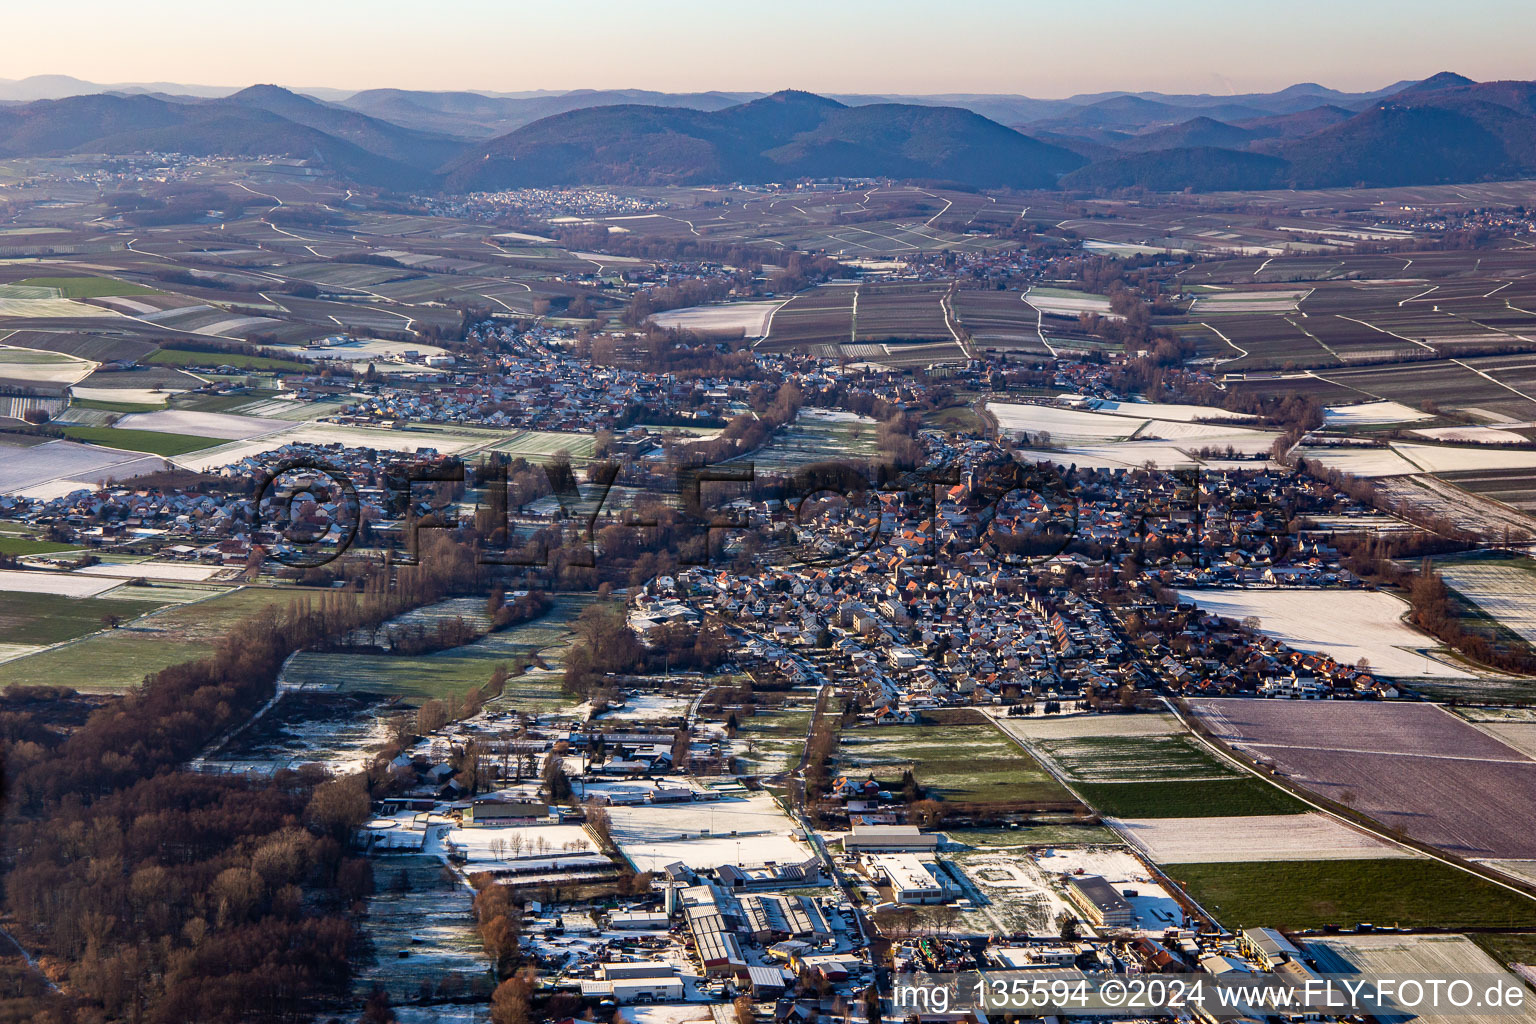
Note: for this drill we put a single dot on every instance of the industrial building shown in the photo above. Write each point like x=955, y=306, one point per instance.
x=889, y=839
x=1099, y=901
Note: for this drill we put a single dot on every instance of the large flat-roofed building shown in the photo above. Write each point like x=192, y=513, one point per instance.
x=889, y=839
x=1099, y=901
x=912, y=880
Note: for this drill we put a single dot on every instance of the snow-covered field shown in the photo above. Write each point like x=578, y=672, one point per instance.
x=1123, y=455
x=1246, y=302
x=202, y=424
x=57, y=467
x=1066, y=426
x=1065, y=302
x=49, y=308
x=39, y=367
x=701, y=834
x=1263, y=837
x=1503, y=591
x=20, y=581
x=648, y=707
x=1359, y=460
x=1435, y=458
x=1167, y=411
x=1066, y=727
x=1346, y=625
x=1371, y=414
x=186, y=572
x=750, y=318
x=136, y=396
x=1472, y=435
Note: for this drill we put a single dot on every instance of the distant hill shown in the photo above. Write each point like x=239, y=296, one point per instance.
x=258, y=121
x=1196, y=133
x=787, y=135
x=475, y=116
x=422, y=150
x=1443, y=129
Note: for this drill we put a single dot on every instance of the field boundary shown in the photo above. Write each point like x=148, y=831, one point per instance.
x=1488, y=875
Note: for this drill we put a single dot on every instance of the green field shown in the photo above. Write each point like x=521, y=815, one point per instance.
x=1508, y=948
x=1410, y=893
x=39, y=619
x=772, y=741
x=815, y=438
x=17, y=539
x=16, y=546
x=544, y=444
x=1188, y=798
x=88, y=287
x=96, y=403
x=123, y=657
x=152, y=441
x=957, y=763
x=450, y=673
x=186, y=357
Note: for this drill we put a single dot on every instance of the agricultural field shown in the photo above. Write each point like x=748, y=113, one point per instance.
x=28, y=302
x=86, y=287
x=1067, y=302
x=1216, y=303
x=57, y=467
x=1304, y=895
x=1144, y=766
x=18, y=541
x=772, y=741
x=541, y=445
x=61, y=584
x=452, y=672
x=822, y=316
x=1208, y=840
x=899, y=313
x=736, y=319
x=1239, y=796
x=1133, y=759
x=37, y=366
x=1504, y=591
x=185, y=357
x=1413, y=767
x=817, y=435
x=999, y=320
x=152, y=442
x=223, y=426
x=969, y=763
x=1345, y=625
x=29, y=619
x=118, y=658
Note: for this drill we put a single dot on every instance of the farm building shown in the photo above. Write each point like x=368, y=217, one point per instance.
x=1099, y=902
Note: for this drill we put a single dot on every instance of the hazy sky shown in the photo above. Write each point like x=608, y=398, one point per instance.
x=1040, y=49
